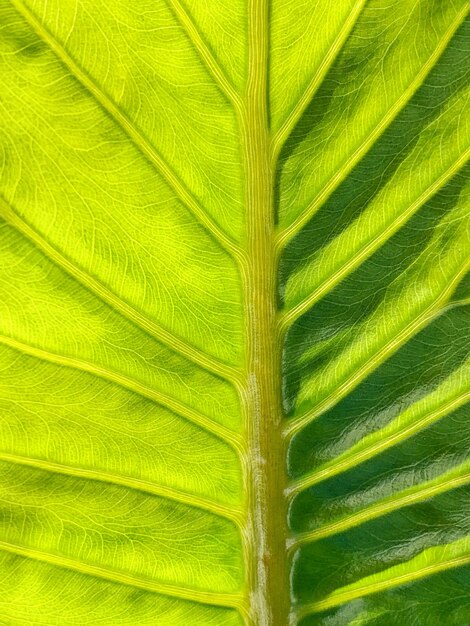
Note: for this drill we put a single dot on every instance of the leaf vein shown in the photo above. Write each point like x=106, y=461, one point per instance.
x=317, y=80
x=135, y=484
x=139, y=140
x=110, y=298
x=204, y=422
x=184, y=593
x=341, y=597
x=432, y=311
x=405, y=498
x=288, y=233
x=206, y=55
x=364, y=253
x=352, y=459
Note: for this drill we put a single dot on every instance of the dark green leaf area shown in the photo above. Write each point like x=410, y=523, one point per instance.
x=419, y=367
x=376, y=288
x=371, y=174
x=443, y=601
x=380, y=544
x=417, y=460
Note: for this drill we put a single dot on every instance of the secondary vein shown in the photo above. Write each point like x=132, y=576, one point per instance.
x=110, y=298
x=147, y=584
x=138, y=484
x=355, y=457
x=433, y=310
x=139, y=140
x=446, y=482
x=343, y=595
x=290, y=316
x=204, y=422
x=288, y=233
x=206, y=55
x=283, y=133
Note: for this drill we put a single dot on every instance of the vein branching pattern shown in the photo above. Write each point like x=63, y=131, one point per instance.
x=234, y=313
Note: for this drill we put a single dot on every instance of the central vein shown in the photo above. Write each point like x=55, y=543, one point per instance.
x=268, y=577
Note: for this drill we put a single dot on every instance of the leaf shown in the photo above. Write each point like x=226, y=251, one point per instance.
x=234, y=313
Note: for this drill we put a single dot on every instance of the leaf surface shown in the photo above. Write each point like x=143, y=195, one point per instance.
x=234, y=313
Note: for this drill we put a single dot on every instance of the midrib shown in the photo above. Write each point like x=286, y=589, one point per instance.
x=267, y=574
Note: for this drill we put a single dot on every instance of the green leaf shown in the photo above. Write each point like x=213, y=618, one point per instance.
x=234, y=313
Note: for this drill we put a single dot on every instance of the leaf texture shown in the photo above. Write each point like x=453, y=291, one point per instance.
x=234, y=313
